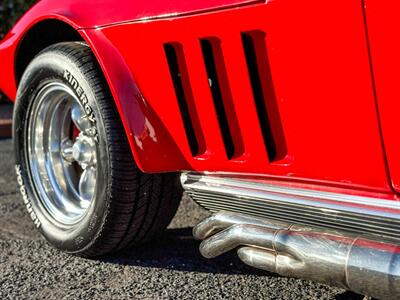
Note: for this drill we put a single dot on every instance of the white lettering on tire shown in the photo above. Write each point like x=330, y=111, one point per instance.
x=83, y=99
x=25, y=197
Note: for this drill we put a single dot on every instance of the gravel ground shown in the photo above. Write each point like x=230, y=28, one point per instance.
x=169, y=268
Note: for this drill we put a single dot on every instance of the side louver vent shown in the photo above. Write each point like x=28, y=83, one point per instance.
x=180, y=78
x=264, y=95
x=218, y=81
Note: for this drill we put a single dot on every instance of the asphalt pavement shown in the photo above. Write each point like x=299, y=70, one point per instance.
x=168, y=268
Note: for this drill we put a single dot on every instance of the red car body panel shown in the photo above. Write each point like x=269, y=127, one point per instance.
x=383, y=27
x=320, y=72
x=313, y=84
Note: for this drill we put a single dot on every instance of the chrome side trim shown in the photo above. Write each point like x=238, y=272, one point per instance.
x=309, y=207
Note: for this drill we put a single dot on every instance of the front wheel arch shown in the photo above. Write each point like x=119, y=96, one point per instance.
x=40, y=36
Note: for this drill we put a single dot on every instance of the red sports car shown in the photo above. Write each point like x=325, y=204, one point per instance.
x=281, y=116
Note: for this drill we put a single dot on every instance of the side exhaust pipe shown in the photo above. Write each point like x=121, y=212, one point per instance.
x=365, y=265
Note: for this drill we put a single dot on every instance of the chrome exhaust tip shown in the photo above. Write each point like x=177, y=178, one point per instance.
x=366, y=265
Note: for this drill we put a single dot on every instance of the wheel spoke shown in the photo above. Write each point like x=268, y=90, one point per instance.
x=66, y=151
x=87, y=185
x=79, y=118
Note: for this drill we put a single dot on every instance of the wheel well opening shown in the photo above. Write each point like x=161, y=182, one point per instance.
x=39, y=37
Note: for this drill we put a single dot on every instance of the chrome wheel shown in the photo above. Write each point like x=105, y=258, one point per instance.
x=75, y=168
x=62, y=153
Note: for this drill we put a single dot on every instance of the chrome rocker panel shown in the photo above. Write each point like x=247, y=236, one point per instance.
x=308, y=207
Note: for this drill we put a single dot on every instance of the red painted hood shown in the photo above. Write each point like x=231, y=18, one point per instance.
x=82, y=14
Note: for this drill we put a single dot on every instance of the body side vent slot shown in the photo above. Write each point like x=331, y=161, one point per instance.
x=223, y=102
x=179, y=74
x=256, y=53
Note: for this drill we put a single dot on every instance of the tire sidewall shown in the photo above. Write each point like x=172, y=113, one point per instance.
x=56, y=66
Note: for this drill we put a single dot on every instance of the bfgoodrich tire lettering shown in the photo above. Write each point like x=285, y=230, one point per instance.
x=128, y=207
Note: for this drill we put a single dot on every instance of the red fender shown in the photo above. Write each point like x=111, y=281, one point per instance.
x=84, y=15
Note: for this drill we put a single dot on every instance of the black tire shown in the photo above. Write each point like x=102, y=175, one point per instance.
x=130, y=207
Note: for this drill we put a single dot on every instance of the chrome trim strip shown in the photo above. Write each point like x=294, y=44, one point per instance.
x=289, y=194
x=332, y=210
